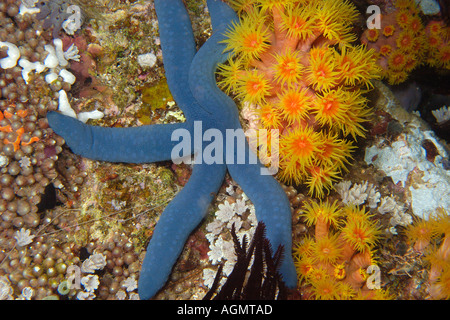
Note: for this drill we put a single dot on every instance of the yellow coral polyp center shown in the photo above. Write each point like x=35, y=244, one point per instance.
x=297, y=24
x=372, y=35
x=252, y=41
x=433, y=41
x=435, y=28
x=359, y=235
x=330, y=107
x=254, y=87
x=388, y=31
x=403, y=18
x=288, y=68
x=339, y=272
x=406, y=41
x=398, y=59
x=326, y=291
x=415, y=25
x=385, y=50
x=321, y=72
x=446, y=56
x=303, y=146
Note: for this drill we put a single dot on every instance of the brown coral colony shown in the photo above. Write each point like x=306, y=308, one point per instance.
x=28, y=153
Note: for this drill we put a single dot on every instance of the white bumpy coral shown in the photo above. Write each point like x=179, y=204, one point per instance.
x=442, y=115
x=23, y=237
x=13, y=55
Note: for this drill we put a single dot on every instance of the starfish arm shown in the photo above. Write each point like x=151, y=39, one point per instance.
x=202, y=79
x=272, y=207
x=271, y=203
x=177, y=221
x=179, y=48
x=221, y=15
x=142, y=144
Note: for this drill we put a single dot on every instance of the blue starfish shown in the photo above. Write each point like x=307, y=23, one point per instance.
x=191, y=79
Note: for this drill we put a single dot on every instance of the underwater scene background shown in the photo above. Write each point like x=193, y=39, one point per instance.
x=94, y=206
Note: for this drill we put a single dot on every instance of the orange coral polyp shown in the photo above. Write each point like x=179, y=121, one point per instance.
x=322, y=74
x=410, y=64
x=231, y=74
x=253, y=87
x=250, y=38
x=298, y=22
x=421, y=233
x=304, y=268
x=321, y=179
x=326, y=289
x=269, y=116
x=372, y=35
x=328, y=149
x=396, y=77
x=334, y=20
x=335, y=152
x=405, y=40
x=441, y=288
x=288, y=68
x=300, y=146
x=397, y=60
x=402, y=18
x=304, y=249
x=331, y=107
x=324, y=210
x=288, y=53
x=388, y=30
x=444, y=56
x=434, y=41
x=385, y=50
x=361, y=233
x=415, y=25
x=327, y=249
x=295, y=105
x=291, y=171
x=357, y=65
x=434, y=27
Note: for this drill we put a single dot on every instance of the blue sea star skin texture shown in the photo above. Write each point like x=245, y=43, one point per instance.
x=191, y=79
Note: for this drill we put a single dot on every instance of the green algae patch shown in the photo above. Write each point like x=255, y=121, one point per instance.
x=157, y=95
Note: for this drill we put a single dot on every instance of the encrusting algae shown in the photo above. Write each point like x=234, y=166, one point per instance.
x=294, y=65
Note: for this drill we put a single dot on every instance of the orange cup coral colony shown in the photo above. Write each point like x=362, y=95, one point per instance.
x=334, y=264
x=438, y=44
x=432, y=239
x=403, y=42
x=295, y=66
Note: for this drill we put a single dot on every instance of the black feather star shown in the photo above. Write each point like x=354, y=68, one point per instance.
x=263, y=282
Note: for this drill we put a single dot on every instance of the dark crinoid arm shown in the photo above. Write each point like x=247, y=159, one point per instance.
x=178, y=220
x=263, y=281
